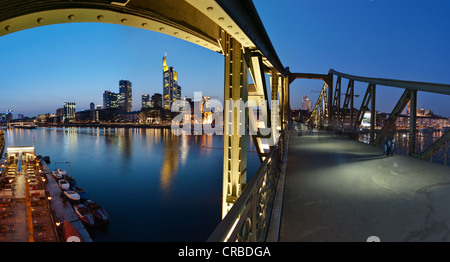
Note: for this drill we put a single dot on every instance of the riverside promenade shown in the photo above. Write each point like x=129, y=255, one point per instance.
x=340, y=190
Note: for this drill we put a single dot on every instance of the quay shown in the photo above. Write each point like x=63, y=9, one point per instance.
x=31, y=206
x=62, y=209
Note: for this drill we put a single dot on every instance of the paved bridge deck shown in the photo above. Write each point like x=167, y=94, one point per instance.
x=342, y=190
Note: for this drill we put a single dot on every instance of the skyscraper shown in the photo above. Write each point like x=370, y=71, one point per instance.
x=125, y=96
x=69, y=111
x=171, y=89
x=110, y=100
x=156, y=101
x=146, y=101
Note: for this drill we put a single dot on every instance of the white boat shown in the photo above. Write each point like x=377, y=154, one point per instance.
x=63, y=184
x=72, y=195
x=56, y=174
x=62, y=171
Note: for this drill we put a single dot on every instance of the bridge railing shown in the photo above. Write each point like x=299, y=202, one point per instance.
x=248, y=219
x=341, y=115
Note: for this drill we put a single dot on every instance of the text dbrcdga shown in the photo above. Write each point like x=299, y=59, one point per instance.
x=236, y=112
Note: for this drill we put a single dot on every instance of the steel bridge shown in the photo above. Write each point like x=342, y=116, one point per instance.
x=234, y=29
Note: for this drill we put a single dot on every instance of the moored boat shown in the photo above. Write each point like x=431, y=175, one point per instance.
x=81, y=192
x=72, y=182
x=84, y=214
x=56, y=175
x=63, y=184
x=72, y=195
x=70, y=233
x=62, y=171
x=98, y=212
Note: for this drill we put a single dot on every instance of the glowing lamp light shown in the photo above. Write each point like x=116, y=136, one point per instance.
x=49, y=198
x=58, y=224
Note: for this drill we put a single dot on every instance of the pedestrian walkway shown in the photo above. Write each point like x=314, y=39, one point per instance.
x=337, y=189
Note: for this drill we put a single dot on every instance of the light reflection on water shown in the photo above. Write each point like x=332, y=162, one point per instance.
x=154, y=185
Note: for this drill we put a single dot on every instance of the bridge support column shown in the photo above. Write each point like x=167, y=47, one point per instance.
x=412, y=123
x=275, y=89
x=373, y=115
x=235, y=122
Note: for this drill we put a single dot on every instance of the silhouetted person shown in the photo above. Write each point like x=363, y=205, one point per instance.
x=389, y=141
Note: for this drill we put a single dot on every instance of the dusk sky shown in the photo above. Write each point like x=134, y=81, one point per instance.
x=403, y=39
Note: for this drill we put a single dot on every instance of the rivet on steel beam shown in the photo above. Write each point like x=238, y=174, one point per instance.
x=8, y=27
x=229, y=27
x=161, y=29
x=124, y=20
x=176, y=33
x=221, y=19
x=71, y=17
x=210, y=9
x=40, y=20
x=188, y=37
x=144, y=24
x=100, y=17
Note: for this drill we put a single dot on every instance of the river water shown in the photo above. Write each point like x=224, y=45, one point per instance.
x=155, y=186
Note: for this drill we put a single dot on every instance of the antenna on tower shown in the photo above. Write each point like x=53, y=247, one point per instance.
x=165, y=53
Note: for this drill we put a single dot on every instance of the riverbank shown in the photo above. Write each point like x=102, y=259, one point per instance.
x=106, y=125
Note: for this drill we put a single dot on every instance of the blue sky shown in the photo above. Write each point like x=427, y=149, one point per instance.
x=409, y=40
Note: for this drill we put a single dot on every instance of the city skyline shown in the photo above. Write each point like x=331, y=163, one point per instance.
x=46, y=66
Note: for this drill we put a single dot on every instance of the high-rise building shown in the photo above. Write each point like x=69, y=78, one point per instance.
x=146, y=101
x=110, y=100
x=69, y=111
x=156, y=101
x=92, y=106
x=171, y=89
x=306, y=104
x=125, y=96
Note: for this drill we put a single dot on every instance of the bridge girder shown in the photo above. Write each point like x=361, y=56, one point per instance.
x=232, y=28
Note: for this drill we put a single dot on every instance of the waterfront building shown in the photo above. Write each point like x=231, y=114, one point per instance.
x=127, y=117
x=110, y=100
x=171, y=89
x=69, y=111
x=306, y=104
x=125, y=96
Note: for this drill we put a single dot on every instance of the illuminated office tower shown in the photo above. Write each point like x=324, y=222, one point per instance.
x=110, y=100
x=171, y=90
x=125, y=96
x=69, y=111
x=146, y=101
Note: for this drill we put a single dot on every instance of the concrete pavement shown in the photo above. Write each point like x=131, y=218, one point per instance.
x=342, y=190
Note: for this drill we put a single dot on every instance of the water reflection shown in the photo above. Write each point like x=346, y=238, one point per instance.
x=149, y=172
x=170, y=163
